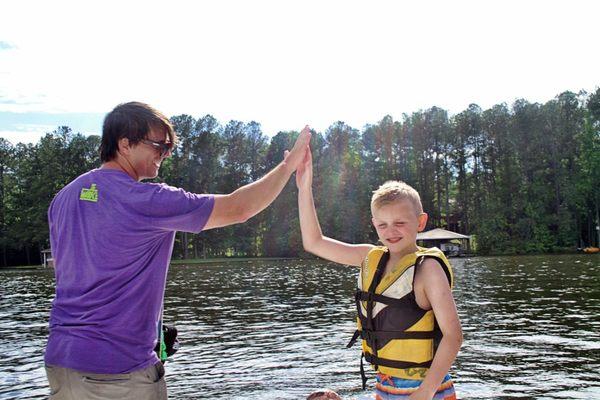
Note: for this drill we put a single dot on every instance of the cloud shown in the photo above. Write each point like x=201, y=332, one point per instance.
x=19, y=102
x=25, y=134
x=28, y=127
x=6, y=46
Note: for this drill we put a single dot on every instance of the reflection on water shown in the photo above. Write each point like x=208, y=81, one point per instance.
x=278, y=330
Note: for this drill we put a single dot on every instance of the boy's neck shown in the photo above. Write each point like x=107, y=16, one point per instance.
x=396, y=256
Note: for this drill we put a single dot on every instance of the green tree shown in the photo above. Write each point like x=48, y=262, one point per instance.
x=281, y=236
x=588, y=178
x=6, y=158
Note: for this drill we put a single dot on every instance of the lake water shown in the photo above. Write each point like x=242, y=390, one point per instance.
x=278, y=330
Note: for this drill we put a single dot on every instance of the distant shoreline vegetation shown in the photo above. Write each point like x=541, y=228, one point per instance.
x=521, y=179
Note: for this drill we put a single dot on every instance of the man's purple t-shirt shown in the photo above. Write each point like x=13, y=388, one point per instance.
x=111, y=258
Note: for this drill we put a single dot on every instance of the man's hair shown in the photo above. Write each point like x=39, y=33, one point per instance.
x=133, y=121
x=393, y=191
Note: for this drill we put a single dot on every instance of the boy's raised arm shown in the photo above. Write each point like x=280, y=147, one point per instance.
x=312, y=237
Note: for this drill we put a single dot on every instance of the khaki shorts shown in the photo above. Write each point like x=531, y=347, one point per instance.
x=68, y=384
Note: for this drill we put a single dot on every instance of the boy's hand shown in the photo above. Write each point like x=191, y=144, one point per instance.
x=295, y=157
x=304, y=172
x=421, y=394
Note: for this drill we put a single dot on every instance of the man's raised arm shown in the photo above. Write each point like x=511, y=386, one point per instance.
x=249, y=200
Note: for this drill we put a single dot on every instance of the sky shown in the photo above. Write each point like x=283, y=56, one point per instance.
x=285, y=63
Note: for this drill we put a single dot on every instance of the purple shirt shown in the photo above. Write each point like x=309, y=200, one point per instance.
x=111, y=258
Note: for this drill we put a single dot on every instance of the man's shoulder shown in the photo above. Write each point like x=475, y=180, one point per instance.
x=75, y=183
x=92, y=184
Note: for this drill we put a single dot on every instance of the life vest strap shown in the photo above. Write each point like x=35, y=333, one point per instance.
x=395, y=363
x=369, y=335
x=363, y=376
x=370, y=304
x=355, y=337
x=379, y=298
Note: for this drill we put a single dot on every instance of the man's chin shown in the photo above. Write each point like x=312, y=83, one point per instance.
x=150, y=176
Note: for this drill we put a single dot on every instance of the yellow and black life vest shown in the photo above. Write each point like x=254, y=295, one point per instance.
x=399, y=338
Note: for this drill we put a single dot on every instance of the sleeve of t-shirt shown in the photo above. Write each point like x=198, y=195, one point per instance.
x=175, y=209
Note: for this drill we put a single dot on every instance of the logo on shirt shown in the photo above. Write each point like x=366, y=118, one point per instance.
x=90, y=194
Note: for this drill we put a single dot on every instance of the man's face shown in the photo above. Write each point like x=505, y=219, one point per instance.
x=397, y=225
x=146, y=157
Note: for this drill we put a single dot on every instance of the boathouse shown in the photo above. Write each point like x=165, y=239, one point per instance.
x=451, y=243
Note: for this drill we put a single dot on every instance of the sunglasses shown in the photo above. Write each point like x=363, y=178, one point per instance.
x=162, y=147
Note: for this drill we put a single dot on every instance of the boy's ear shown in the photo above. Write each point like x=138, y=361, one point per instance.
x=422, y=222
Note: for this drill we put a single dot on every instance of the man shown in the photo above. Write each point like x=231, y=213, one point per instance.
x=112, y=238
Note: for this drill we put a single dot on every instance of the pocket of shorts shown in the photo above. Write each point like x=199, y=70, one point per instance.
x=159, y=372
x=106, y=386
x=105, y=378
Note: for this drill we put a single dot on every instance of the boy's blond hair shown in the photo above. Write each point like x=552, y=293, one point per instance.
x=392, y=191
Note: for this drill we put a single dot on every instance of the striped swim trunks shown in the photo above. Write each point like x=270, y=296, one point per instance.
x=390, y=388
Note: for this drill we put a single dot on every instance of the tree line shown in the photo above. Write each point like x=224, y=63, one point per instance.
x=520, y=179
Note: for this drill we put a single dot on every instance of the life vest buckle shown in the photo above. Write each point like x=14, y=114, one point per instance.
x=357, y=295
x=355, y=337
x=368, y=335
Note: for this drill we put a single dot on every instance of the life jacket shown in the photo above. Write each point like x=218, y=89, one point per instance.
x=399, y=338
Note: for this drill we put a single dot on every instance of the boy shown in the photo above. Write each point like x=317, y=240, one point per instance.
x=407, y=318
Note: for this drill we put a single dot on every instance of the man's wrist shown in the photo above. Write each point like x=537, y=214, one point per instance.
x=287, y=167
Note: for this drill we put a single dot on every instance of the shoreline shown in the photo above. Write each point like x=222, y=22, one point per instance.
x=206, y=261
x=191, y=261
x=200, y=261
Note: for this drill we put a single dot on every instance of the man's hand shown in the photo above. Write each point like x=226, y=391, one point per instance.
x=296, y=156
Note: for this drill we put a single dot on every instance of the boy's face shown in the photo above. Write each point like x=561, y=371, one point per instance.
x=397, y=225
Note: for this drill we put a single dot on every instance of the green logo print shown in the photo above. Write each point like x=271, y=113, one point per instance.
x=90, y=194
